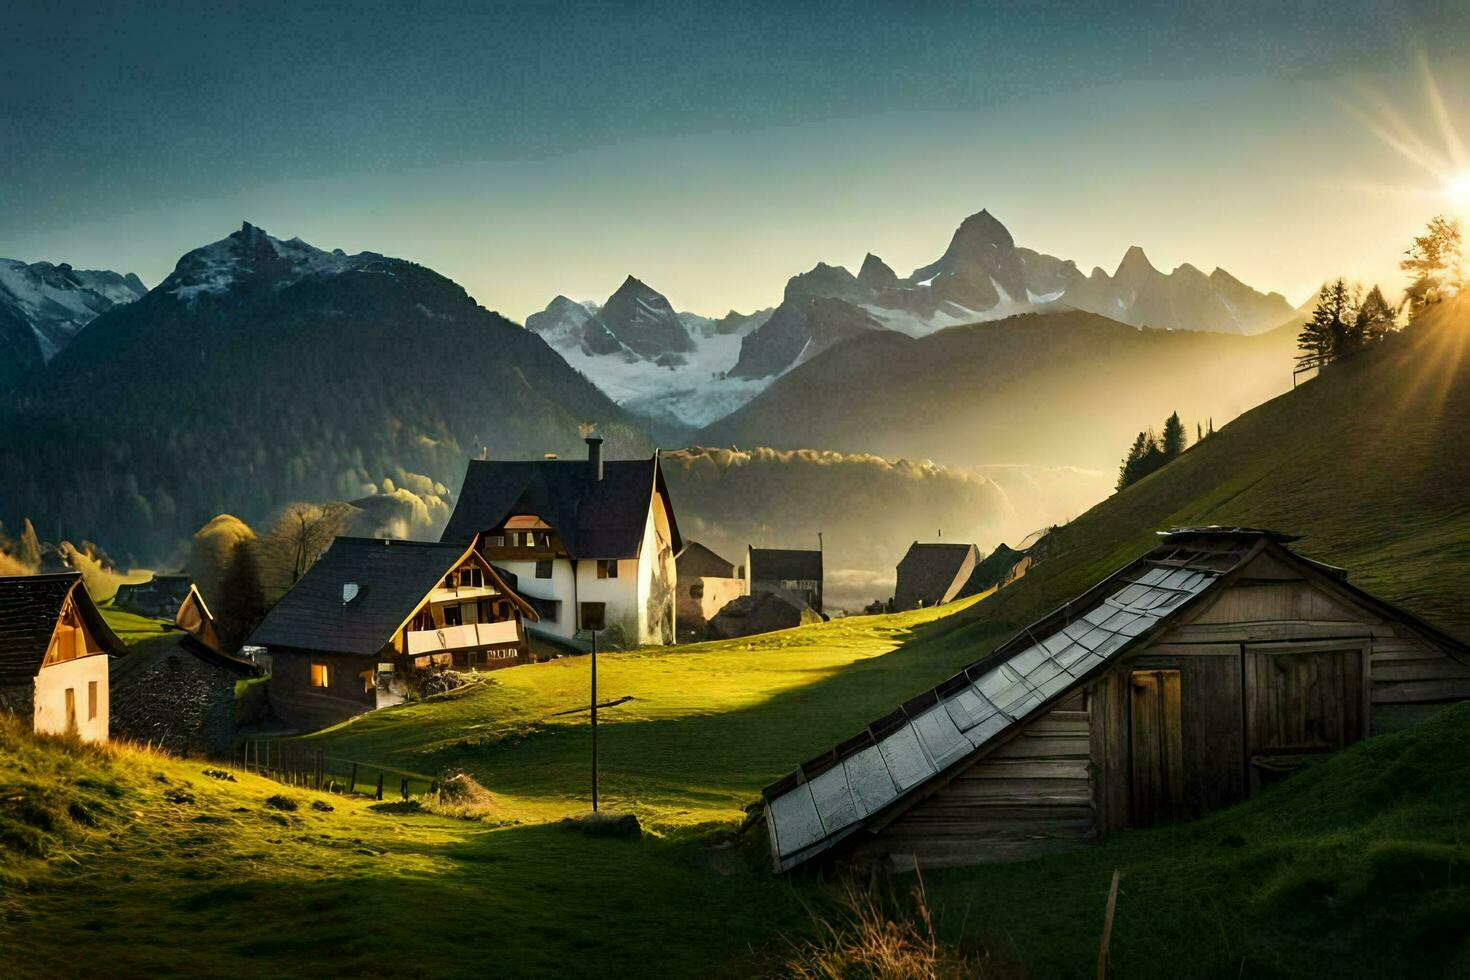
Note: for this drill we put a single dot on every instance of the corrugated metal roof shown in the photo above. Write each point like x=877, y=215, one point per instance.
x=827, y=799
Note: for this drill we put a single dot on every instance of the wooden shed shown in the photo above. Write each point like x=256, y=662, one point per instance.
x=931, y=574
x=1200, y=673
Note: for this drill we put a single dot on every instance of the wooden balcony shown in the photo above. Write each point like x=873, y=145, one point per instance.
x=470, y=636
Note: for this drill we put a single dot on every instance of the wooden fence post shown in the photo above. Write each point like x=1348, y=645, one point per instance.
x=404, y=788
x=320, y=767
x=352, y=780
x=380, y=785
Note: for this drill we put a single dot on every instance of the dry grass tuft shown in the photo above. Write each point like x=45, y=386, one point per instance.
x=460, y=795
x=870, y=941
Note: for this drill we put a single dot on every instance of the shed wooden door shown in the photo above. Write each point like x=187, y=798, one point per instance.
x=1156, y=746
x=1300, y=706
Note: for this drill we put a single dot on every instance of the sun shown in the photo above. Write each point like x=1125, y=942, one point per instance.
x=1457, y=187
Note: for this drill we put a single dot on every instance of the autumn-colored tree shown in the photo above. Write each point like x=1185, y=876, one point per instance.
x=1434, y=265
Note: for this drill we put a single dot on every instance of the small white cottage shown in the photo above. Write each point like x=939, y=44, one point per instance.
x=54, y=650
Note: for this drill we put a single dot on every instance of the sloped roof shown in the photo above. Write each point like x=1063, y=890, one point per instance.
x=594, y=518
x=392, y=578
x=785, y=564
x=933, y=573
x=152, y=651
x=29, y=608
x=830, y=797
x=697, y=561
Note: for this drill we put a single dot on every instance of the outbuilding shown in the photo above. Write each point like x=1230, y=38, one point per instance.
x=178, y=692
x=933, y=574
x=54, y=649
x=1202, y=672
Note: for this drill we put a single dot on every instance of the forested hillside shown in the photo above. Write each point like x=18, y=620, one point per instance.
x=264, y=372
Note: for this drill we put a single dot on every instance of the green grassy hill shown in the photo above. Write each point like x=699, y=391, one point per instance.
x=1369, y=463
x=1358, y=867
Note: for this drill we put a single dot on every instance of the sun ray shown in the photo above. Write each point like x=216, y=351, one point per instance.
x=1452, y=141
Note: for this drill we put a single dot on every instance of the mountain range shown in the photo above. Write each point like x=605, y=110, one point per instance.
x=263, y=371
x=982, y=275
x=44, y=306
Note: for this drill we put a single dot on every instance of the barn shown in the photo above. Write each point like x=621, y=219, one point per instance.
x=1200, y=673
x=54, y=649
x=931, y=574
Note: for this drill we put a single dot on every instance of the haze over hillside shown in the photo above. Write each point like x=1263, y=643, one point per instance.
x=683, y=368
x=1368, y=463
x=1050, y=389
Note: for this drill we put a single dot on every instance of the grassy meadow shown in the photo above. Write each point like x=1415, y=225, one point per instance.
x=1357, y=867
x=706, y=726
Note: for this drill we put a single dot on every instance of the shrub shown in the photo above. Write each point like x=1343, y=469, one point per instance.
x=460, y=795
x=868, y=941
x=280, y=802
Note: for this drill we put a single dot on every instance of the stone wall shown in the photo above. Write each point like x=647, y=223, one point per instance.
x=180, y=701
x=19, y=698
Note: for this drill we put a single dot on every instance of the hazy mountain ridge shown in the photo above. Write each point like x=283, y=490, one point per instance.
x=1044, y=389
x=43, y=306
x=982, y=275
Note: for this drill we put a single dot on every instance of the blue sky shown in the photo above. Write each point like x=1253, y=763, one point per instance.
x=713, y=150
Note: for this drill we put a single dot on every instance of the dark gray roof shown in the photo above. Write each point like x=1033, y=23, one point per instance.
x=594, y=518
x=392, y=578
x=152, y=651
x=932, y=573
x=785, y=564
x=697, y=561
x=29, y=608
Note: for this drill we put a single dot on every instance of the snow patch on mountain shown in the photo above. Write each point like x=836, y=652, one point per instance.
x=55, y=302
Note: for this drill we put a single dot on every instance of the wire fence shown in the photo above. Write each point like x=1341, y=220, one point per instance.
x=295, y=764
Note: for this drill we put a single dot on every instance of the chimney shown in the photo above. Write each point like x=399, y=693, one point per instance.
x=594, y=455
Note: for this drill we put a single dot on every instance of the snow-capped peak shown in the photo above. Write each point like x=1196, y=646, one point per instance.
x=251, y=254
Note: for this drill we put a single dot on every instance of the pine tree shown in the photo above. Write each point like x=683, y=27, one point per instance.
x=1129, y=471
x=1175, y=438
x=242, y=600
x=1329, y=333
x=1376, y=319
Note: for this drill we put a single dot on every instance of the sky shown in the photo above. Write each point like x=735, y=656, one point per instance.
x=715, y=150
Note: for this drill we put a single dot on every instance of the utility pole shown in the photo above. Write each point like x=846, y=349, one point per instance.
x=594, y=721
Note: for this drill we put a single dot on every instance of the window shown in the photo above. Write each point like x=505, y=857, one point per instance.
x=593, y=615
x=548, y=609
x=607, y=568
x=452, y=616
x=543, y=568
x=71, y=709
x=91, y=700
x=696, y=591
x=321, y=675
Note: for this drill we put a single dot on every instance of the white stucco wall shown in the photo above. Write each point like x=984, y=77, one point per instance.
x=625, y=597
x=51, y=685
x=559, y=586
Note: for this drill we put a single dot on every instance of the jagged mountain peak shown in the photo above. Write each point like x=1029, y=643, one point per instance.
x=1134, y=260
x=877, y=273
x=983, y=228
x=251, y=255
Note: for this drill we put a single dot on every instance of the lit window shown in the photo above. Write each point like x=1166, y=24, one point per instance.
x=321, y=675
x=91, y=700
